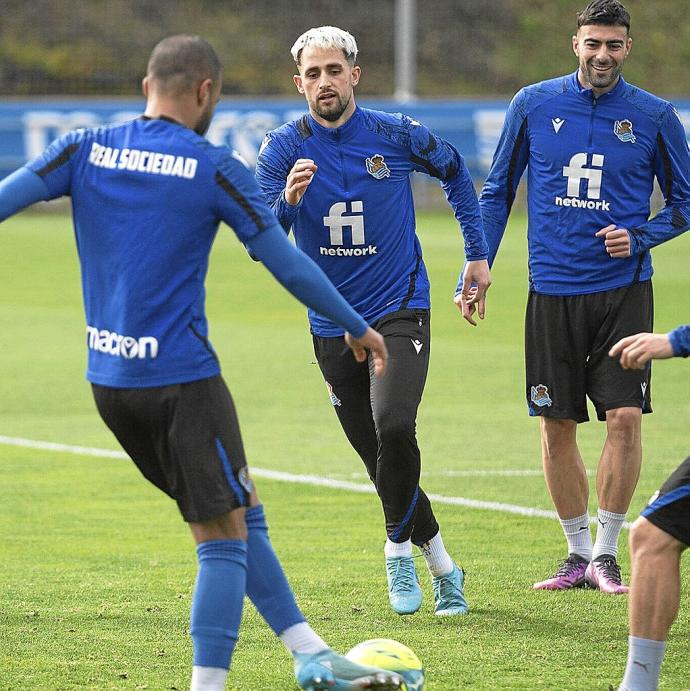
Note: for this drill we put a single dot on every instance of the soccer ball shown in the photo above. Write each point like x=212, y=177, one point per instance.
x=387, y=654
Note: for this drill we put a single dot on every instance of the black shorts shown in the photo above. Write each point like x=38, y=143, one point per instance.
x=185, y=439
x=567, y=339
x=669, y=508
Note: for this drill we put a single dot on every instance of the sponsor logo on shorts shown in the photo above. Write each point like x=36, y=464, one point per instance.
x=334, y=399
x=128, y=347
x=418, y=345
x=540, y=395
x=643, y=386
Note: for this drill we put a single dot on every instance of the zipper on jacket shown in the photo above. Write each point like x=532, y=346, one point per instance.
x=591, y=123
x=342, y=160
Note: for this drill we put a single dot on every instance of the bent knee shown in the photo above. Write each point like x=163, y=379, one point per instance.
x=648, y=539
x=624, y=419
x=390, y=428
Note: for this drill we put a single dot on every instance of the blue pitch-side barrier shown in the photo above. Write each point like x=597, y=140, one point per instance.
x=28, y=126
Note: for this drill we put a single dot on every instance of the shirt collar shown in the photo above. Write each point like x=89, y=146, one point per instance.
x=344, y=132
x=586, y=92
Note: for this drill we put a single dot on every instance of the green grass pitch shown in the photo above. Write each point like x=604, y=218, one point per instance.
x=97, y=568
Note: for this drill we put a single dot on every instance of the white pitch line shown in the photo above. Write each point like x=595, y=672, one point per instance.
x=313, y=480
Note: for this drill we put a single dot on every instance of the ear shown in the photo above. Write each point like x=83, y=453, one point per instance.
x=298, y=82
x=145, y=87
x=204, y=91
x=576, y=46
x=355, y=75
x=628, y=46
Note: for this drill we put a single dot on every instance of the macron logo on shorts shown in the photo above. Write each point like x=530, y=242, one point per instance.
x=127, y=347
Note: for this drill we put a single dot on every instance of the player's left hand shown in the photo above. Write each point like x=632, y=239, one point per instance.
x=476, y=279
x=635, y=351
x=616, y=240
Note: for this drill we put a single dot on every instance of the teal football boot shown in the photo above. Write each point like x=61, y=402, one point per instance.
x=449, y=598
x=404, y=592
x=328, y=671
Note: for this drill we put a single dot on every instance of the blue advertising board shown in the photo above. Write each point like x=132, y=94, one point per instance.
x=28, y=126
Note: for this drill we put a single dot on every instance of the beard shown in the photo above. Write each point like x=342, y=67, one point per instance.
x=601, y=81
x=204, y=121
x=332, y=113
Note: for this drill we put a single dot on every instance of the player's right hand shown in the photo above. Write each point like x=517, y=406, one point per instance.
x=373, y=342
x=298, y=180
x=476, y=279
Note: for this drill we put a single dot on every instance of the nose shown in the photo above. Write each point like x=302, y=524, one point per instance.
x=602, y=55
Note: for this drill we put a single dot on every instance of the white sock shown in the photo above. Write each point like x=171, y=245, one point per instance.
x=398, y=549
x=609, y=526
x=644, y=664
x=208, y=678
x=301, y=638
x=437, y=558
x=577, y=534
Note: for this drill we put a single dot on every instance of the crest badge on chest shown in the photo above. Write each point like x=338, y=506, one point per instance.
x=377, y=168
x=623, y=129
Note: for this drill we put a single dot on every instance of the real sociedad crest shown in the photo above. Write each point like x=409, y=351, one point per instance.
x=376, y=167
x=540, y=395
x=335, y=401
x=623, y=129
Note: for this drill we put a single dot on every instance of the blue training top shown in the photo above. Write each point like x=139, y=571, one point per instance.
x=356, y=219
x=680, y=341
x=591, y=162
x=147, y=198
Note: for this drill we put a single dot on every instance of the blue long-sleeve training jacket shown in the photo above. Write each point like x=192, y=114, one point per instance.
x=147, y=199
x=591, y=162
x=356, y=219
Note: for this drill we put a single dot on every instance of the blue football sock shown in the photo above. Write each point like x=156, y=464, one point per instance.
x=217, y=601
x=267, y=586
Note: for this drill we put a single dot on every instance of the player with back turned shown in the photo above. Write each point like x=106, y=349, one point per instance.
x=593, y=146
x=339, y=177
x=147, y=198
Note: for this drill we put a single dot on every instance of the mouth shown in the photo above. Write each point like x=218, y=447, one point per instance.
x=327, y=96
x=602, y=68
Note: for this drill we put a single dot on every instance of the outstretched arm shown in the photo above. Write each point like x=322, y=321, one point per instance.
x=19, y=190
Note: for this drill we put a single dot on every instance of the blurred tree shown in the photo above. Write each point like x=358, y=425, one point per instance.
x=464, y=47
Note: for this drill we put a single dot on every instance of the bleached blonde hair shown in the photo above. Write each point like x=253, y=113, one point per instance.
x=326, y=37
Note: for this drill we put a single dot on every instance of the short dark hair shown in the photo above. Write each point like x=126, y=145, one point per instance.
x=179, y=63
x=606, y=12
